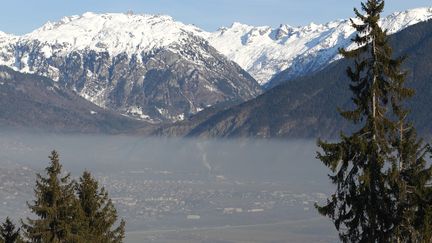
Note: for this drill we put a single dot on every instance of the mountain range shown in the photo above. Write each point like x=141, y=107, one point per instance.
x=265, y=52
x=143, y=66
x=153, y=71
x=306, y=107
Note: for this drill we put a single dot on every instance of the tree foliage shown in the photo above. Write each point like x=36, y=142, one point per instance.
x=100, y=214
x=69, y=212
x=380, y=170
x=9, y=233
x=56, y=207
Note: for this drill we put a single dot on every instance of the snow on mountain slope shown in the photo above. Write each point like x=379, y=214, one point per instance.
x=262, y=51
x=265, y=51
x=146, y=66
x=115, y=33
x=154, y=68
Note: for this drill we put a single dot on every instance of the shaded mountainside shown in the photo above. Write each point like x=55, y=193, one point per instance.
x=148, y=67
x=306, y=107
x=179, y=129
x=32, y=101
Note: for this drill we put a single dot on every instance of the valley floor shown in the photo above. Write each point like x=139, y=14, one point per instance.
x=297, y=231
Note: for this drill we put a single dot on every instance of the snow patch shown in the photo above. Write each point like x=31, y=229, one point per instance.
x=46, y=51
x=5, y=76
x=136, y=111
x=175, y=118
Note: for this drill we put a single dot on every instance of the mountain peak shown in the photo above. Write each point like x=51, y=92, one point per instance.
x=113, y=32
x=238, y=25
x=6, y=35
x=264, y=51
x=149, y=67
x=401, y=20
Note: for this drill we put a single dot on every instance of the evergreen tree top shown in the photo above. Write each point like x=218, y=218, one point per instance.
x=55, y=206
x=380, y=170
x=8, y=233
x=100, y=214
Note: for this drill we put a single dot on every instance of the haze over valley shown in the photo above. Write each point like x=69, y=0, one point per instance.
x=203, y=136
x=161, y=185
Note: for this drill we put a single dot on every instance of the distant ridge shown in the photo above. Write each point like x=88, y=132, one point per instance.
x=297, y=51
x=306, y=107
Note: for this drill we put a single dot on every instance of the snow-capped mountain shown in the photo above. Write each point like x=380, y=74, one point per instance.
x=154, y=68
x=114, y=33
x=265, y=51
x=305, y=107
x=147, y=66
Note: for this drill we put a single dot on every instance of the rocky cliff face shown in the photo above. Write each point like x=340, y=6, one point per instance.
x=147, y=67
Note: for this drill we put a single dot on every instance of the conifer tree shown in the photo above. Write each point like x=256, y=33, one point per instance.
x=56, y=207
x=415, y=196
x=100, y=214
x=8, y=233
x=380, y=170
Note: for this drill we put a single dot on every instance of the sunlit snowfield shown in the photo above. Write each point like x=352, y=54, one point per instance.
x=184, y=190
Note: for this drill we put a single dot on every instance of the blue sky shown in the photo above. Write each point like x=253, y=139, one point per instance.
x=19, y=16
